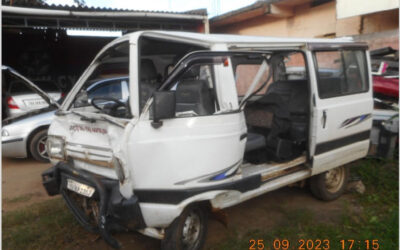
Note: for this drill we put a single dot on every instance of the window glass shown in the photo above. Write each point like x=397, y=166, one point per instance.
x=109, y=88
x=341, y=72
x=109, y=80
x=195, y=92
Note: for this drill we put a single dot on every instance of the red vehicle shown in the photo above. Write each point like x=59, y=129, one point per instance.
x=385, y=71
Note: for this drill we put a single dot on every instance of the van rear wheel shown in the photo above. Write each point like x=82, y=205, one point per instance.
x=188, y=231
x=331, y=184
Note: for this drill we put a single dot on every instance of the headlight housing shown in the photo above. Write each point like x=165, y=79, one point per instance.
x=55, y=147
x=4, y=132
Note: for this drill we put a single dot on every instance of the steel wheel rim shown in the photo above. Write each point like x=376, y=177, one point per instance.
x=42, y=148
x=191, y=229
x=334, y=179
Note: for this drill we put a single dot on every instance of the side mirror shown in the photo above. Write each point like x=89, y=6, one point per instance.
x=164, y=103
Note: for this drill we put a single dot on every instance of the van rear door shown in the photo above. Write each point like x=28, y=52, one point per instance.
x=342, y=105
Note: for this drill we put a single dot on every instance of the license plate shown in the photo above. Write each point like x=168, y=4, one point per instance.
x=80, y=188
x=35, y=102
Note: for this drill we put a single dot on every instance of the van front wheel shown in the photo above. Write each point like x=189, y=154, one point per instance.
x=188, y=231
x=331, y=184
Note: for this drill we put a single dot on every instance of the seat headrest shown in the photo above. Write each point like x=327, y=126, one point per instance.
x=191, y=91
x=148, y=71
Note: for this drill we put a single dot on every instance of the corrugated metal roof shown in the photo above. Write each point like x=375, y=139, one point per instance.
x=200, y=12
x=256, y=5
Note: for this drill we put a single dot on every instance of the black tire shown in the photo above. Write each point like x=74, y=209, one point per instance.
x=174, y=235
x=36, y=146
x=322, y=188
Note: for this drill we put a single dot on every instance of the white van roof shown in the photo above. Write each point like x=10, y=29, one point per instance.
x=228, y=38
x=232, y=39
x=235, y=41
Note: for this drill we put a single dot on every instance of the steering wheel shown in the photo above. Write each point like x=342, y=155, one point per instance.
x=113, y=108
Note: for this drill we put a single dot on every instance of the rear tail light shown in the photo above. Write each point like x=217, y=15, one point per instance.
x=62, y=94
x=11, y=103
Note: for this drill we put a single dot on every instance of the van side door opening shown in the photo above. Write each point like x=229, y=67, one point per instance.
x=278, y=112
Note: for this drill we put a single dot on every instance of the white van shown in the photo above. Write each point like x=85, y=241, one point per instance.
x=205, y=122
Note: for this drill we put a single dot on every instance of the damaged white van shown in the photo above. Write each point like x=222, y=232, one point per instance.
x=164, y=128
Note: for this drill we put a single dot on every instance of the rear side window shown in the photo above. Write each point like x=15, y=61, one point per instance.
x=341, y=72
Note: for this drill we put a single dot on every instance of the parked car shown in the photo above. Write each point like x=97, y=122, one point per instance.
x=20, y=98
x=25, y=135
x=194, y=144
x=385, y=73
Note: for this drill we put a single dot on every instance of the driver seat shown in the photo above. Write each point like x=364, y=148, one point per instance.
x=148, y=80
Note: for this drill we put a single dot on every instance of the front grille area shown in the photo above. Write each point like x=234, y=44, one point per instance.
x=91, y=154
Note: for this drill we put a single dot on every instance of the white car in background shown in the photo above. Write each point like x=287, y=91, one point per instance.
x=20, y=98
x=26, y=134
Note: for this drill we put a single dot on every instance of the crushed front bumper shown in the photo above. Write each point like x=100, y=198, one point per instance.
x=113, y=212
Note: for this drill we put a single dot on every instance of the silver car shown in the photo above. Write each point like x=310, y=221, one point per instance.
x=20, y=98
x=25, y=135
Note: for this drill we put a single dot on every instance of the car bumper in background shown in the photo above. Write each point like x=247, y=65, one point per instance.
x=14, y=147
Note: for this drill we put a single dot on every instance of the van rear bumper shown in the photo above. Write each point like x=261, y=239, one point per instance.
x=115, y=213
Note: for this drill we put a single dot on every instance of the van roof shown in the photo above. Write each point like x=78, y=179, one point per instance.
x=229, y=38
x=233, y=39
x=238, y=41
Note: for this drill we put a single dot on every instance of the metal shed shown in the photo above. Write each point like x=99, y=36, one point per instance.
x=36, y=43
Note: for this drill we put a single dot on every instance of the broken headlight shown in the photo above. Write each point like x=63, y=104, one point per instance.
x=55, y=147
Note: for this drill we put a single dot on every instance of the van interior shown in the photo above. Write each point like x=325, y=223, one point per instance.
x=277, y=112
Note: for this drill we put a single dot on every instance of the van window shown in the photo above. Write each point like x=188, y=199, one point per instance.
x=341, y=72
x=108, y=83
x=195, y=92
x=157, y=59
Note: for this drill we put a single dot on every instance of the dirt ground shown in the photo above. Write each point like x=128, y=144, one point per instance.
x=21, y=183
x=21, y=186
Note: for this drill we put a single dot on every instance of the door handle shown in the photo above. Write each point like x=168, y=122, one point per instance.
x=323, y=118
